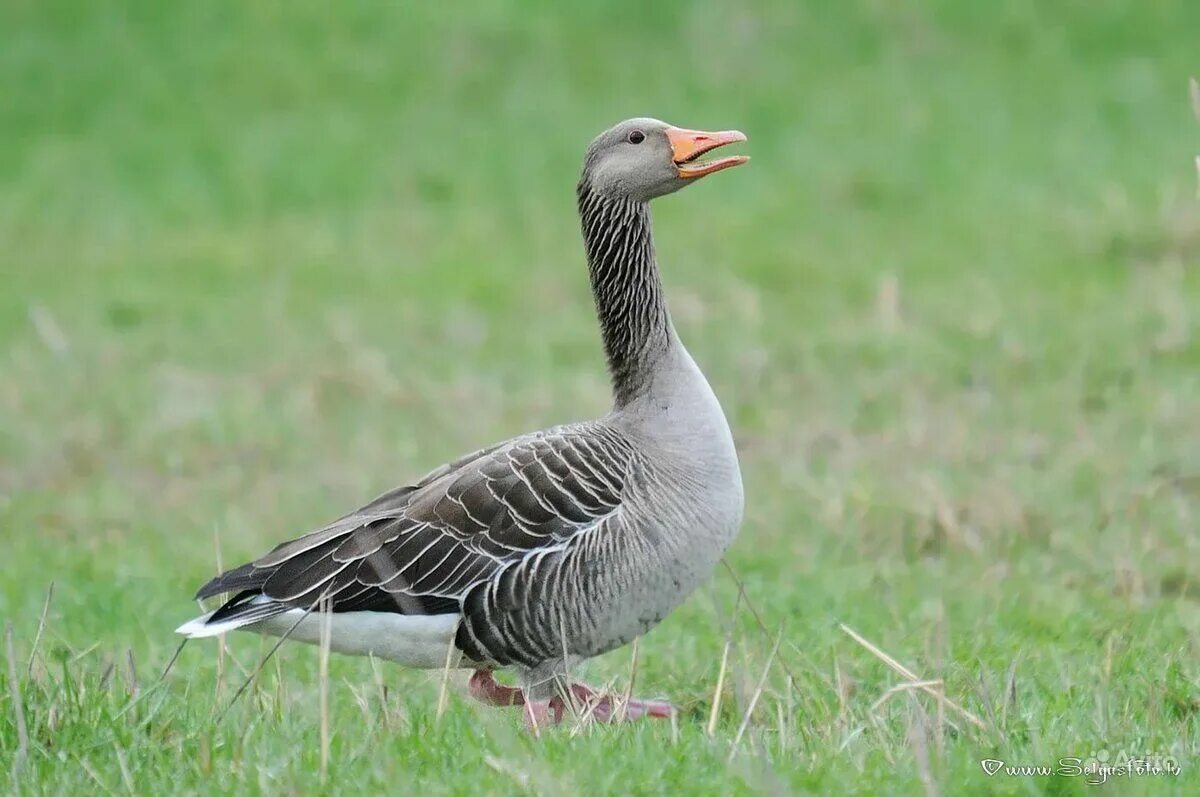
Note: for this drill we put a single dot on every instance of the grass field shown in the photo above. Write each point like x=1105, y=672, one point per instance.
x=261, y=261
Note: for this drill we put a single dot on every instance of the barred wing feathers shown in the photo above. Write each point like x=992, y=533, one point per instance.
x=420, y=549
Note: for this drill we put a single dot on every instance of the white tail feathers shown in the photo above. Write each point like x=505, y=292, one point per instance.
x=252, y=611
x=200, y=627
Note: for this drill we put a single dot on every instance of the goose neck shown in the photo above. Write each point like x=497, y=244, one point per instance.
x=634, y=322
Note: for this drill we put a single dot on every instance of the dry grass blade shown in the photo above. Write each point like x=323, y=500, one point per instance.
x=83, y=654
x=883, y=739
x=907, y=686
x=131, y=678
x=586, y=713
x=562, y=639
x=758, y=690
x=781, y=724
x=14, y=689
x=123, y=765
x=263, y=662
x=444, y=688
x=912, y=677
x=174, y=658
x=499, y=765
x=1194, y=93
x=531, y=717
x=107, y=674
x=93, y=774
x=742, y=597
x=842, y=689
x=220, y=637
x=715, y=711
x=135, y=693
x=941, y=655
x=887, y=303
x=790, y=703
x=985, y=697
x=918, y=739
x=381, y=689
x=326, y=615
x=1010, y=694
x=622, y=711
x=37, y=638
x=48, y=330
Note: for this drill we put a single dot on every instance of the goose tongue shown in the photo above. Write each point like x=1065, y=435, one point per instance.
x=688, y=145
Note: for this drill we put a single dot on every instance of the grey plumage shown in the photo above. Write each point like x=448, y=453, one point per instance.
x=562, y=544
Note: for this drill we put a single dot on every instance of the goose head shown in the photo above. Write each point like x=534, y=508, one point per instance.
x=640, y=159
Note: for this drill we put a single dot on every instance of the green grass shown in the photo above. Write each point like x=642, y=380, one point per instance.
x=260, y=262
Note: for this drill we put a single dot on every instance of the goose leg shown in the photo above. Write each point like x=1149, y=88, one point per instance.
x=538, y=714
x=484, y=688
x=543, y=713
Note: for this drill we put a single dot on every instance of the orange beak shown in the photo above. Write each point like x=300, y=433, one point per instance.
x=688, y=145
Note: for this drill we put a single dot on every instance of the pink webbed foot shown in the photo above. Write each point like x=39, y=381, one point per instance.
x=587, y=703
x=604, y=707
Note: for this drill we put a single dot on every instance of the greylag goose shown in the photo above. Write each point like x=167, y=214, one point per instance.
x=556, y=546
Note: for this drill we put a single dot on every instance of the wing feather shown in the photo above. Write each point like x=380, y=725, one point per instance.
x=423, y=547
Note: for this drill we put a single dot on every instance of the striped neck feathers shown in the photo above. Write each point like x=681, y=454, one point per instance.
x=626, y=287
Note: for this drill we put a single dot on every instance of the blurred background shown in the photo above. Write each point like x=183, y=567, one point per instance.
x=261, y=261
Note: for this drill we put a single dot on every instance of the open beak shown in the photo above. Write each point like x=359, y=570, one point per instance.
x=688, y=145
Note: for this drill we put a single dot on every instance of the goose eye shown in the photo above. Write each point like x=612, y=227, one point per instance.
x=637, y=137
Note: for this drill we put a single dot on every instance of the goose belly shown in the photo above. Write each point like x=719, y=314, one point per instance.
x=636, y=594
x=421, y=641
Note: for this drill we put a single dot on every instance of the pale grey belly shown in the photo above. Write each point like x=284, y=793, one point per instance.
x=639, y=591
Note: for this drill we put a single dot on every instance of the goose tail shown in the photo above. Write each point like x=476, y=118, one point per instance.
x=244, y=610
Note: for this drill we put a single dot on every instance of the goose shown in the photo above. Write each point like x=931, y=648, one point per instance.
x=538, y=553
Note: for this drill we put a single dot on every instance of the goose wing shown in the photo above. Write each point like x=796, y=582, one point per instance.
x=420, y=548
